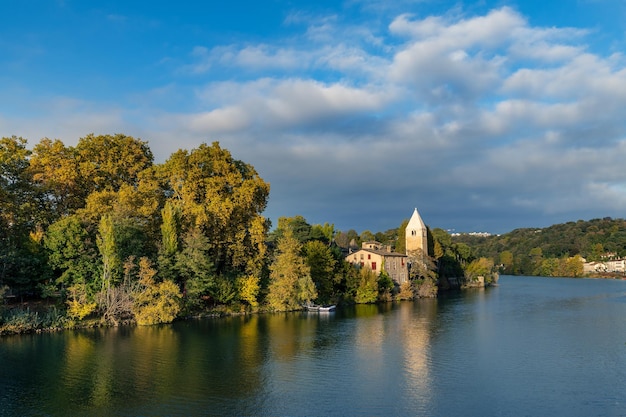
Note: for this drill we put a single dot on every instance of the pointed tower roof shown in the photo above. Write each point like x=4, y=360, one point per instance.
x=415, y=222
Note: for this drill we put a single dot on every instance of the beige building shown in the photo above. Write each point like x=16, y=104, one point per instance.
x=416, y=235
x=378, y=258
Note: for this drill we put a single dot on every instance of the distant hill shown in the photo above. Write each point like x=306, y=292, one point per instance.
x=522, y=250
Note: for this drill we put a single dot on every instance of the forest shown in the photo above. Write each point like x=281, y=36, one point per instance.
x=558, y=250
x=98, y=233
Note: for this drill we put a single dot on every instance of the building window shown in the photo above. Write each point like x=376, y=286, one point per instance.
x=361, y=256
x=362, y=264
x=373, y=266
x=369, y=256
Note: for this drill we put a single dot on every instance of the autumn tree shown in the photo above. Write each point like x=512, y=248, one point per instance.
x=481, y=267
x=55, y=169
x=223, y=197
x=367, y=290
x=155, y=302
x=290, y=277
x=106, y=162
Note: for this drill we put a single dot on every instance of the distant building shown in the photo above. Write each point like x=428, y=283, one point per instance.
x=607, y=265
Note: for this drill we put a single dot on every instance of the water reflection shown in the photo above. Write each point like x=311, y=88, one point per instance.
x=520, y=348
x=417, y=319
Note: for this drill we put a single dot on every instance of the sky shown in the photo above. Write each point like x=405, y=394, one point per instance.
x=486, y=116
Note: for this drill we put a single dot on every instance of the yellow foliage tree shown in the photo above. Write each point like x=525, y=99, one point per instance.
x=249, y=286
x=78, y=306
x=155, y=302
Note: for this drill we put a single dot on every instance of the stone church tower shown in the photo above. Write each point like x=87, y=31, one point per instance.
x=416, y=236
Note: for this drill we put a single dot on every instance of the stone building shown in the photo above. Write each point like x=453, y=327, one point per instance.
x=416, y=236
x=378, y=258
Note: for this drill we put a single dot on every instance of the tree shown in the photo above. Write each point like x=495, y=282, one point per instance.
x=507, y=261
x=111, y=299
x=55, y=169
x=194, y=269
x=290, y=277
x=170, y=242
x=73, y=255
x=385, y=286
x=248, y=288
x=107, y=245
x=223, y=198
x=367, y=236
x=325, y=232
x=367, y=290
x=106, y=162
x=401, y=241
x=155, y=302
x=322, y=263
x=22, y=216
x=479, y=267
x=299, y=227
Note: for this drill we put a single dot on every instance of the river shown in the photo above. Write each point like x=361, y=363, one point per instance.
x=531, y=346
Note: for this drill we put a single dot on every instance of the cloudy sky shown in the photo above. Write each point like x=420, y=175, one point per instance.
x=486, y=116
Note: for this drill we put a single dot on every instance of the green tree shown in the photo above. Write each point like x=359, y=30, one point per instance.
x=479, y=267
x=299, y=227
x=195, y=269
x=367, y=290
x=401, y=242
x=73, y=255
x=507, y=261
x=290, y=277
x=321, y=262
x=112, y=300
x=170, y=242
x=367, y=236
x=22, y=215
x=385, y=286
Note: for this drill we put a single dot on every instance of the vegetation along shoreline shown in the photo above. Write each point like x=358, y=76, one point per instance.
x=98, y=234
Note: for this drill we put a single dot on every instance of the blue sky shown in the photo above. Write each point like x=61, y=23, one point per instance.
x=486, y=116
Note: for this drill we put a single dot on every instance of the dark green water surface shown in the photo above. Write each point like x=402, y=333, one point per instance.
x=529, y=347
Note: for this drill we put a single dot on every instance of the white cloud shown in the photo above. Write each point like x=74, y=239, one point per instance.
x=478, y=111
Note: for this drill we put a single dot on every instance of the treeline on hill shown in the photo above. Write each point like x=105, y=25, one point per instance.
x=103, y=233
x=558, y=250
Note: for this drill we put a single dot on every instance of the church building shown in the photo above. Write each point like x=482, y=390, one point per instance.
x=416, y=236
x=378, y=258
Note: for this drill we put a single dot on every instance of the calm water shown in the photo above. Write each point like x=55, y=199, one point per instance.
x=529, y=347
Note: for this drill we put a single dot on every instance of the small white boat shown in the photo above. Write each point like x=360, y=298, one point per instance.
x=320, y=309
